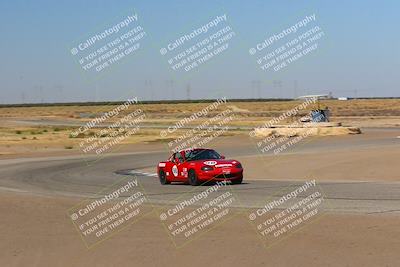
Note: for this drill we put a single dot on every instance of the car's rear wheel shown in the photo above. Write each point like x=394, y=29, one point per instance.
x=163, y=178
x=193, y=178
x=237, y=181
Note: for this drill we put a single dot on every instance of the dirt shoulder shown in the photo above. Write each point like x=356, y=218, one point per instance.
x=37, y=232
x=375, y=164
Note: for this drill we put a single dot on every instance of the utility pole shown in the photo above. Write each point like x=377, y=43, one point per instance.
x=95, y=93
x=170, y=88
x=188, y=91
x=295, y=85
x=41, y=94
x=59, y=88
x=277, y=84
x=256, y=88
x=149, y=87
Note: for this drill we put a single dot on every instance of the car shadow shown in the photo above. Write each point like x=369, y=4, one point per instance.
x=210, y=183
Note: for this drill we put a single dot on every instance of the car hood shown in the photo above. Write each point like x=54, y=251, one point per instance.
x=218, y=163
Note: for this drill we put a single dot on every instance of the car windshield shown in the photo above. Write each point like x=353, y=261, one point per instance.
x=200, y=154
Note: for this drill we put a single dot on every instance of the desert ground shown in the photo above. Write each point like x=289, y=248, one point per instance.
x=37, y=232
x=48, y=129
x=43, y=173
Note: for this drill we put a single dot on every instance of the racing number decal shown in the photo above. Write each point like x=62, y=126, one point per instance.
x=175, y=170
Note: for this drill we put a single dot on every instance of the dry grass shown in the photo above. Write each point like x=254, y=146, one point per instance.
x=373, y=112
x=363, y=108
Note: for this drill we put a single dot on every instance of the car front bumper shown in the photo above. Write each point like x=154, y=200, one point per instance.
x=221, y=174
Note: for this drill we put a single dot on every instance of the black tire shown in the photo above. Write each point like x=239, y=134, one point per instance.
x=163, y=178
x=192, y=176
x=237, y=181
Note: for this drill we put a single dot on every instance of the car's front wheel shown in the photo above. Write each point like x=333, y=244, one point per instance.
x=163, y=178
x=193, y=178
x=237, y=181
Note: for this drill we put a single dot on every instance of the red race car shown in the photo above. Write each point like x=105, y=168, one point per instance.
x=197, y=166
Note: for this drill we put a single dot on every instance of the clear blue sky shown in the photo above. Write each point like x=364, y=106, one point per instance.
x=358, y=52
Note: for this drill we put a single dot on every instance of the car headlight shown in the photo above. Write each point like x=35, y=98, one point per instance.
x=239, y=166
x=206, y=168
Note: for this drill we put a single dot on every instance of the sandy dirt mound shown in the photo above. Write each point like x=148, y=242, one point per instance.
x=306, y=131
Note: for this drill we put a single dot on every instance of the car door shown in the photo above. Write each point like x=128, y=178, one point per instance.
x=182, y=167
x=179, y=169
x=175, y=168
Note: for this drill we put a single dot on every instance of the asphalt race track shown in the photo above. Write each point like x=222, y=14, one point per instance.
x=83, y=176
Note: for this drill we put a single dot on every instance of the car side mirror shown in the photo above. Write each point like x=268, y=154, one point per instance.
x=222, y=156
